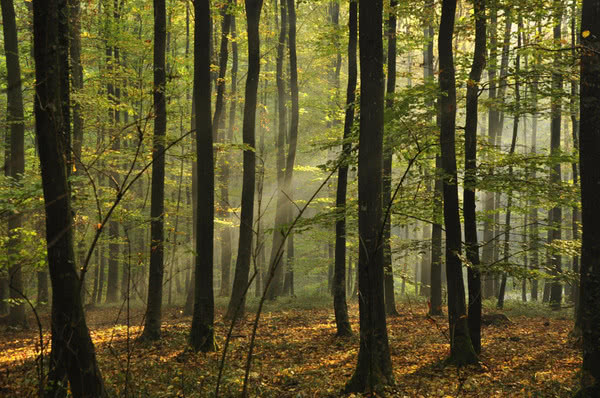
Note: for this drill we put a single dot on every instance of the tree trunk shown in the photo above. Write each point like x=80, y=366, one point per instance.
x=507, y=227
x=340, y=306
x=555, y=215
x=16, y=164
x=461, y=348
x=435, y=272
x=487, y=252
x=276, y=257
x=202, y=335
x=576, y=218
x=471, y=244
x=225, y=170
x=390, y=299
x=242, y=266
x=590, y=197
x=73, y=356
x=157, y=199
x=374, y=366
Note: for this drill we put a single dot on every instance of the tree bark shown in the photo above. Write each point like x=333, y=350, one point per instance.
x=340, y=306
x=242, y=266
x=390, y=299
x=276, y=258
x=16, y=164
x=555, y=214
x=157, y=199
x=374, y=366
x=469, y=201
x=461, y=348
x=590, y=197
x=202, y=334
x=73, y=357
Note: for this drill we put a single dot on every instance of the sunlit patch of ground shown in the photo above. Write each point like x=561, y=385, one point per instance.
x=297, y=355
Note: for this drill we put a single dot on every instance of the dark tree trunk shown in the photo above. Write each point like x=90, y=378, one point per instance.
x=435, y=272
x=112, y=279
x=390, y=299
x=461, y=348
x=157, y=199
x=202, y=335
x=374, y=366
x=102, y=250
x=42, y=279
x=76, y=79
x=218, y=118
x=94, y=298
x=340, y=306
x=16, y=164
x=590, y=197
x=276, y=258
x=73, y=357
x=471, y=244
x=555, y=216
x=242, y=266
x=507, y=220
x=435, y=298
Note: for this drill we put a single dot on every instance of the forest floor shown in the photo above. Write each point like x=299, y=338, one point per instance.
x=297, y=355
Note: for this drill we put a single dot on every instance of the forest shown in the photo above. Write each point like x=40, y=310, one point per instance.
x=300, y=198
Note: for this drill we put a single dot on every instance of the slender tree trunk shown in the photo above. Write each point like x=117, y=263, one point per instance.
x=223, y=176
x=340, y=306
x=242, y=266
x=374, y=366
x=16, y=164
x=282, y=127
x=390, y=299
x=555, y=215
x=471, y=244
x=202, y=334
x=507, y=222
x=461, y=348
x=435, y=291
x=533, y=215
x=157, y=206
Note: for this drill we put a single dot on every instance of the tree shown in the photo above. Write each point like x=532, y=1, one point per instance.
x=284, y=194
x=276, y=256
x=390, y=299
x=218, y=122
x=461, y=348
x=590, y=197
x=435, y=291
x=374, y=366
x=242, y=266
x=73, y=358
x=202, y=334
x=157, y=207
x=16, y=164
x=555, y=214
x=339, y=275
x=471, y=245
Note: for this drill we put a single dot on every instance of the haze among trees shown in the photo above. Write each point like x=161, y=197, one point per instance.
x=280, y=198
